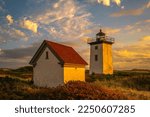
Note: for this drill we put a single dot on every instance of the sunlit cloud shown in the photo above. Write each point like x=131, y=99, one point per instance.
x=126, y=53
x=11, y=34
x=118, y=2
x=72, y=22
x=148, y=4
x=146, y=39
x=21, y=34
x=65, y=20
x=136, y=55
x=30, y=25
x=148, y=20
x=104, y=2
x=111, y=31
x=108, y=2
x=9, y=19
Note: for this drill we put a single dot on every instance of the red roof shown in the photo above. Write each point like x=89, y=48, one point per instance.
x=65, y=53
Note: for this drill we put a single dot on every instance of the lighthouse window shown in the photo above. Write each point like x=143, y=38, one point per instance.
x=96, y=47
x=46, y=55
x=96, y=57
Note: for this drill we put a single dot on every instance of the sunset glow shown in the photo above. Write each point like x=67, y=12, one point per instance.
x=24, y=24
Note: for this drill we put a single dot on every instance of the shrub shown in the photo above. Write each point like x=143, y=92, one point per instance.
x=81, y=90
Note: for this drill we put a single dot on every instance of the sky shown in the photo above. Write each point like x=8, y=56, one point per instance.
x=24, y=24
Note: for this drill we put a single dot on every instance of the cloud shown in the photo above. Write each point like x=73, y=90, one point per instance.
x=136, y=55
x=17, y=57
x=148, y=4
x=67, y=9
x=107, y=2
x=118, y=2
x=21, y=34
x=30, y=25
x=9, y=19
x=130, y=54
x=104, y=2
x=11, y=34
x=148, y=20
x=132, y=12
x=135, y=28
x=67, y=19
x=146, y=39
x=111, y=31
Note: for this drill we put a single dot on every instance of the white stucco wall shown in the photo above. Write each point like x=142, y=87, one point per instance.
x=104, y=63
x=96, y=66
x=47, y=72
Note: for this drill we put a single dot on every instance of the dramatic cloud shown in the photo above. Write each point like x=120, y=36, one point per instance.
x=9, y=18
x=104, y=2
x=72, y=22
x=65, y=20
x=107, y=2
x=133, y=12
x=30, y=25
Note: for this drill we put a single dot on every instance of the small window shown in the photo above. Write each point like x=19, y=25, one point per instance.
x=96, y=47
x=96, y=57
x=47, y=57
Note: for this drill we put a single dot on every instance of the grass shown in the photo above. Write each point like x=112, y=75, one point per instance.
x=131, y=93
x=17, y=89
x=133, y=84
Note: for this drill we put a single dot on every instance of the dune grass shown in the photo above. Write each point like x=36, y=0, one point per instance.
x=122, y=85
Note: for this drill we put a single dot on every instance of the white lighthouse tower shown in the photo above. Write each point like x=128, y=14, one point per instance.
x=101, y=54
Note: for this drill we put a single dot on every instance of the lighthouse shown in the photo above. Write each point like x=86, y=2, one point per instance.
x=101, y=54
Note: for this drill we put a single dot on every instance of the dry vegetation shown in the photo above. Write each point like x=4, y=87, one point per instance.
x=135, y=84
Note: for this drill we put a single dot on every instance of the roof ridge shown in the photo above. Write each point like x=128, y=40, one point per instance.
x=64, y=53
x=47, y=41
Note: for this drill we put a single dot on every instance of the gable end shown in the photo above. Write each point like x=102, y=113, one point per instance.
x=40, y=51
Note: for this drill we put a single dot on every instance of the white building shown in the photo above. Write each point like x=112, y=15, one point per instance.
x=55, y=64
x=101, y=54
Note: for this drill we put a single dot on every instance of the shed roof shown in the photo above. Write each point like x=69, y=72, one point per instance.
x=64, y=53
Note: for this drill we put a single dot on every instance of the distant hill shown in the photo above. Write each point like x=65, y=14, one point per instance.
x=148, y=70
x=22, y=72
x=25, y=69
